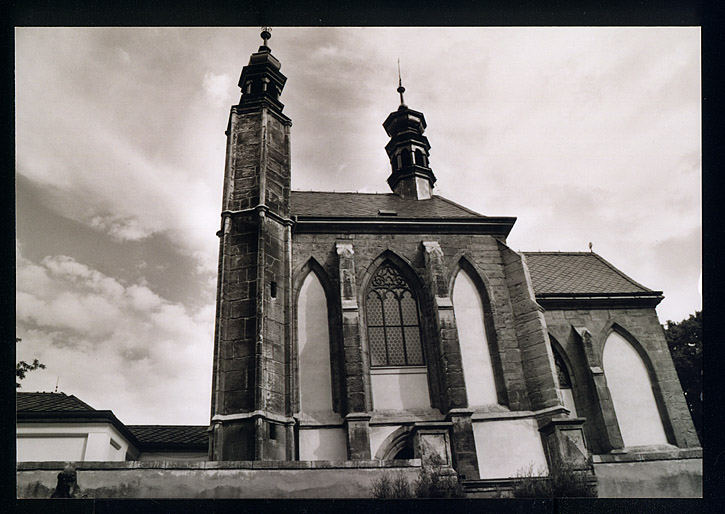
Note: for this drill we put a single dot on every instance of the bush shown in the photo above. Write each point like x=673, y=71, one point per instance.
x=434, y=481
x=437, y=481
x=563, y=482
x=391, y=485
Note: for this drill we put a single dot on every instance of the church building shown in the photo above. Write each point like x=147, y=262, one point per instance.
x=357, y=333
x=354, y=326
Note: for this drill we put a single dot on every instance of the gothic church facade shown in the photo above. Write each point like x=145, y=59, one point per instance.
x=392, y=326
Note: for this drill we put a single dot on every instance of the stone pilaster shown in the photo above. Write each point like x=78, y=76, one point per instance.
x=453, y=382
x=454, y=386
x=536, y=356
x=465, y=459
x=432, y=441
x=564, y=443
x=602, y=406
x=356, y=401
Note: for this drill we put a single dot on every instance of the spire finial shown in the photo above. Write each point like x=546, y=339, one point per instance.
x=266, y=35
x=401, y=89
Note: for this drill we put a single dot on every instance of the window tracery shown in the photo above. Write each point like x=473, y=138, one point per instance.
x=393, y=320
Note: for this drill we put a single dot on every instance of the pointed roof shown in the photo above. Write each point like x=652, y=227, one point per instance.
x=366, y=205
x=579, y=273
x=43, y=402
x=61, y=408
x=169, y=437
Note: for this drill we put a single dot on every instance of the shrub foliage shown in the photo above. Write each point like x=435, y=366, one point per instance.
x=435, y=480
x=563, y=482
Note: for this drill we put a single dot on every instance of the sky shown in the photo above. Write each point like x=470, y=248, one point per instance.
x=584, y=134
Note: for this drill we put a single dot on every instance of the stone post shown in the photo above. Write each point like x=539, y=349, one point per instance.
x=357, y=420
x=602, y=404
x=454, y=398
x=564, y=443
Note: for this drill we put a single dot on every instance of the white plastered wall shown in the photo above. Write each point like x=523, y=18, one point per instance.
x=631, y=390
x=378, y=434
x=313, y=343
x=400, y=388
x=315, y=377
x=323, y=444
x=505, y=448
x=567, y=397
x=477, y=368
x=70, y=442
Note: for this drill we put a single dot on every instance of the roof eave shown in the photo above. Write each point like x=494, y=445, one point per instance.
x=569, y=301
x=500, y=226
x=93, y=416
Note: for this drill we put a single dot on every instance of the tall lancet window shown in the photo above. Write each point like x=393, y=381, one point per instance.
x=562, y=373
x=475, y=353
x=393, y=320
x=634, y=402
x=313, y=342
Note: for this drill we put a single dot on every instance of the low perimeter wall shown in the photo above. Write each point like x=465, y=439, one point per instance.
x=139, y=479
x=668, y=474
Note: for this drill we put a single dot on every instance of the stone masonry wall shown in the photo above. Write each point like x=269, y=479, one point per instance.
x=321, y=479
x=643, y=325
x=251, y=361
x=483, y=253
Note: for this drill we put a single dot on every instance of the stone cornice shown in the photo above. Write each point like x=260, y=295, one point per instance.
x=499, y=226
x=568, y=301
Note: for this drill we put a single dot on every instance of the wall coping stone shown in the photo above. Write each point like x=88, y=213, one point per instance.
x=515, y=414
x=220, y=465
x=644, y=454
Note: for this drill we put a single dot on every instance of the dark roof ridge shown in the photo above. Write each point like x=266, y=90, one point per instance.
x=340, y=192
x=175, y=426
x=557, y=252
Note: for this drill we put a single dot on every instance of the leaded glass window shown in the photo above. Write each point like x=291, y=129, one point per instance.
x=393, y=321
x=561, y=371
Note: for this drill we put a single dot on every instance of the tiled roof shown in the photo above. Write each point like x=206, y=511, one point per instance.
x=39, y=402
x=577, y=273
x=362, y=205
x=195, y=435
x=148, y=437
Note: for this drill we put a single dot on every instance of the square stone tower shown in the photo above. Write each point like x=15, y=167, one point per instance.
x=253, y=292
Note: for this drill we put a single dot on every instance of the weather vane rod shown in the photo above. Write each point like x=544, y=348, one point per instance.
x=266, y=34
x=401, y=89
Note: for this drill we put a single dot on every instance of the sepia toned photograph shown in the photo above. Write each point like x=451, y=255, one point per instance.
x=358, y=262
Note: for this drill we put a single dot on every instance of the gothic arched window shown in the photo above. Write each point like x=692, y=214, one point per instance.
x=393, y=321
x=561, y=371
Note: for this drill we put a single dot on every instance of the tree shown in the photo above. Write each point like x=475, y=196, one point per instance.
x=684, y=340
x=22, y=367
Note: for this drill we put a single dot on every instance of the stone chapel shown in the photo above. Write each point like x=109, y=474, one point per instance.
x=359, y=327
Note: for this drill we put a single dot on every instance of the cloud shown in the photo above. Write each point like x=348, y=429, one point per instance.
x=118, y=346
x=128, y=229
x=218, y=87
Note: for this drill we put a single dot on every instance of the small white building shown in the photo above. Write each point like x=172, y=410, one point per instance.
x=58, y=427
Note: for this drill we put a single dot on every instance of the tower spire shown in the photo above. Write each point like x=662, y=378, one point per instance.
x=261, y=81
x=408, y=150
x=401, y=89
x=266, y=36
